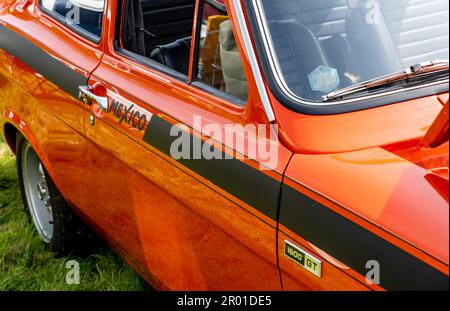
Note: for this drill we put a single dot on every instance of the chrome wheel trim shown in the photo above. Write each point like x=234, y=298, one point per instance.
x=36, y=193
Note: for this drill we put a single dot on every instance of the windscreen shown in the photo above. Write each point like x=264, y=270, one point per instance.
x=320, y=46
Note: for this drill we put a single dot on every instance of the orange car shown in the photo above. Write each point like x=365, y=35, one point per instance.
x=236, y=145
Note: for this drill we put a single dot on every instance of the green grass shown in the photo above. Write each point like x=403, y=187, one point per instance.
x=26, y=263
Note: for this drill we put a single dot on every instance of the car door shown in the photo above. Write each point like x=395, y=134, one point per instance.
x=183, y=223
x=53, y=47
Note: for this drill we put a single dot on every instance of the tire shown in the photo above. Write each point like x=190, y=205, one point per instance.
x=56, y=223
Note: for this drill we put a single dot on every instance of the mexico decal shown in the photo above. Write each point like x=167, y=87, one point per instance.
x=128, y=113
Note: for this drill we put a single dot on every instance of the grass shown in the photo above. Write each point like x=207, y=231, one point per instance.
x=27, y=265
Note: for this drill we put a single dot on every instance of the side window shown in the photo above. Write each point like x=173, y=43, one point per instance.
x=160, y=30
x=159, y=34
x=219, y=64
x=85, y=16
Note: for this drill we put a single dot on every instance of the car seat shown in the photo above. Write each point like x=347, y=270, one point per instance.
x=210, y=68
x=232, y=68
x=299, y=54
x=174, y=55
x=371, y=46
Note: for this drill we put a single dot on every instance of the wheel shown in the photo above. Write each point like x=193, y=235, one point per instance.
x=56, y=223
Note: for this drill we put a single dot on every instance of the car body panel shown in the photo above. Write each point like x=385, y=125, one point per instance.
x=167, y=226
x=326, y=134
x=48, y=65
x=345, y=188
x=397, y=214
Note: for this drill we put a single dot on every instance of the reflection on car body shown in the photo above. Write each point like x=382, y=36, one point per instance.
x=357, y=197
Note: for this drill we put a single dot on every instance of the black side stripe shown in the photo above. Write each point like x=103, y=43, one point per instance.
x=237, y=178
x=40, y=61
x=355, y=246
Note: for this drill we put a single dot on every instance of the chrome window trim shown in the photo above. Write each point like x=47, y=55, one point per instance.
x=279, y=78
x=253, y=61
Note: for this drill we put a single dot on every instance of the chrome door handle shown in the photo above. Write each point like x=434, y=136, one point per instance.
x=86, y=96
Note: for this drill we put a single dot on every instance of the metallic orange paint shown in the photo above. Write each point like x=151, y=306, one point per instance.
x=179, y=230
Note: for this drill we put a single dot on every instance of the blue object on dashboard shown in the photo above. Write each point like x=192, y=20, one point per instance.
x=324, y=79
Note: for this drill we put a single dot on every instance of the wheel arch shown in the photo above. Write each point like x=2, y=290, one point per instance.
x=15, y=125
x=10, y=133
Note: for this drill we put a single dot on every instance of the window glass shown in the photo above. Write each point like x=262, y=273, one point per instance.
x=323, y=46
x=219, y=63
x=160, y=31
x=86, y=15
